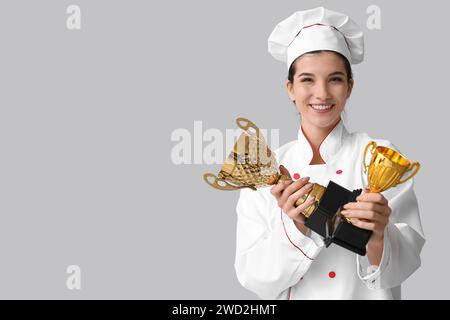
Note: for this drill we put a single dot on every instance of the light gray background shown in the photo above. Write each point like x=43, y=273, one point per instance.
x=86, y=117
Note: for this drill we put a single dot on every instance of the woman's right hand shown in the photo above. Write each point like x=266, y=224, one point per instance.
x=287, y=192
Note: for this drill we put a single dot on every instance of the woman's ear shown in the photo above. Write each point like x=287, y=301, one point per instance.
x=350, y=87
x=289, y=89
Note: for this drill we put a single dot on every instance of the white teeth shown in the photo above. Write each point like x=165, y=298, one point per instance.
x=321, y=106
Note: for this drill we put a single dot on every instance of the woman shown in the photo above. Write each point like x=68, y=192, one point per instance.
x=277, y=256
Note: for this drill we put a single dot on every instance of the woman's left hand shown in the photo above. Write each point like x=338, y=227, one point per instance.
x=371, y=212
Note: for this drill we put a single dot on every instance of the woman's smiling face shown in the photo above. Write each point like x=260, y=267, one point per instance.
x=320, y=88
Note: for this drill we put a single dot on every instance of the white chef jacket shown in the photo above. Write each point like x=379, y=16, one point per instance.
x=277, y=261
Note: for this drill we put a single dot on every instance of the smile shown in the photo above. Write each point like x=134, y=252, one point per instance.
x=321, y=107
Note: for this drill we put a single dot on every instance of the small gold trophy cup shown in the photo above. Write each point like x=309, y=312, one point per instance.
x=386, y=168
x=250, y=164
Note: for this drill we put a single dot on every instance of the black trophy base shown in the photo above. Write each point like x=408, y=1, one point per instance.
x=352, y=238
x=326, y=222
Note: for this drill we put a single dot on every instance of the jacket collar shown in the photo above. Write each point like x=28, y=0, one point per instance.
x=327, y=148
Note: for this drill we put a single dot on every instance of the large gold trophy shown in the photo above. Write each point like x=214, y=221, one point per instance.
x=252, y=165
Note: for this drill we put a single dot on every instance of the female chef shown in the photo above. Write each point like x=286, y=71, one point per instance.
x=277, y=256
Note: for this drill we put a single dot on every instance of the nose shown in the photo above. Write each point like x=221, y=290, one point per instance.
x=321, y=91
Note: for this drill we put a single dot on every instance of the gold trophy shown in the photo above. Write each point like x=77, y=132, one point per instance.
x=386, y=168
x=250, y=164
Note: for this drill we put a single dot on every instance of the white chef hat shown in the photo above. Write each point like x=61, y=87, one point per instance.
x=316, y=29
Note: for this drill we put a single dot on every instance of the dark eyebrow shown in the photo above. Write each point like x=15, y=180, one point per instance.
x=336, y=73
x=305, y=74
x=331, y=74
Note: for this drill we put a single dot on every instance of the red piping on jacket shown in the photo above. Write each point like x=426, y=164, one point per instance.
x=318, y=149
x=281, y=212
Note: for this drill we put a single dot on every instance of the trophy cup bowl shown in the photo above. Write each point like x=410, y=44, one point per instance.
x=251, y=164
x=386, y=168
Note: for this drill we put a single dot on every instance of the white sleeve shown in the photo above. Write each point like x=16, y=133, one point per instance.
x=271, y=253
x=403, y=241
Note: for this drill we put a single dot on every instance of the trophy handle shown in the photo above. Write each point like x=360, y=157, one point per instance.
x=373, y=145
x=414, y=164
x=248, y=124
x=226, y=185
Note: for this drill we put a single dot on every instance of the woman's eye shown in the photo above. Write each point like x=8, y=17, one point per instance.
x=306, y=80
x=336, y=79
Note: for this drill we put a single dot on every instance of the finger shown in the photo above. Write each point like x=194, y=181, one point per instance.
x=298, y=194
x=296, y=185
x=362, y=205
x=372, y=197
x=361, y=214
x=301, y=208
x=279, y=187
x=363, y=224
x=292, y=188
x=377, y=218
